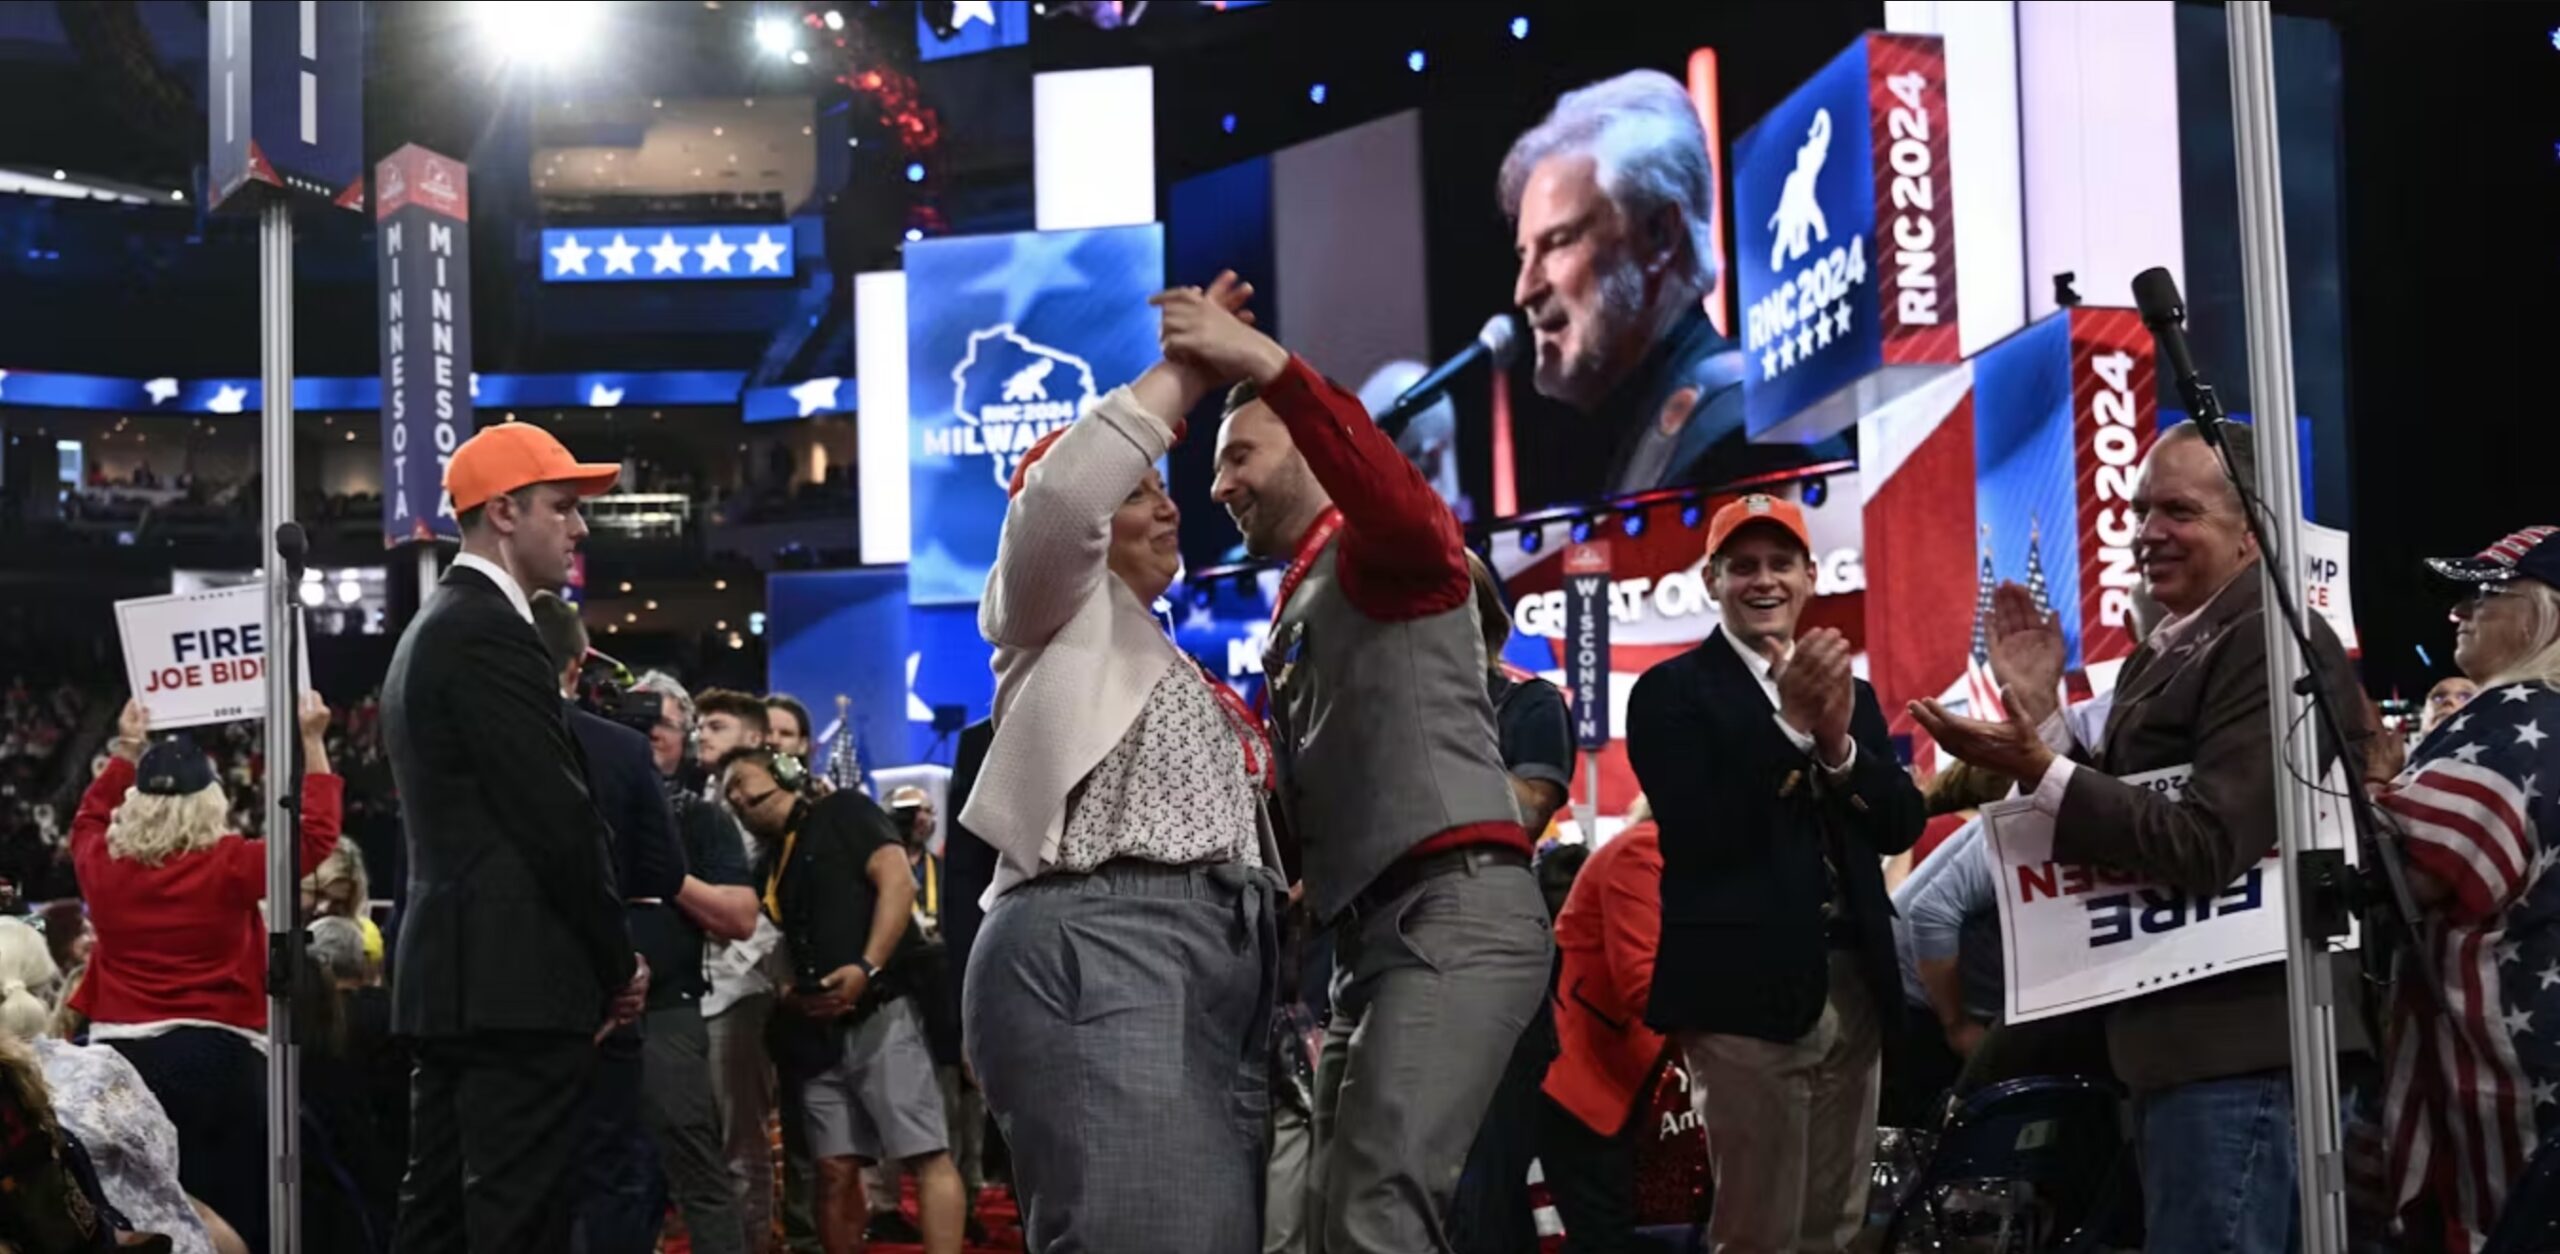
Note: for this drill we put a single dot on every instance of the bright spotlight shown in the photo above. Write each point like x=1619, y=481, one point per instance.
x=1414, y=60
x=835, y=20
x=774, y=35
x=1316, y=93
x=1520, y=28
x=799, y=56
x=544, y=34
x=913, y=235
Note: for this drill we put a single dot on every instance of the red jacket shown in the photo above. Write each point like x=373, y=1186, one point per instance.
x=184, y=939
x=1608, y=932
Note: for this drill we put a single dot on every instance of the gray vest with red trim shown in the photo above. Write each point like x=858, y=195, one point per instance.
x=1384, y=732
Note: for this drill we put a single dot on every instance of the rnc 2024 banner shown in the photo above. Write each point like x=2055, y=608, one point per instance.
x=1009, y=337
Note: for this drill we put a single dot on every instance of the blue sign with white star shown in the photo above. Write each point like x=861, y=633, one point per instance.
x=976, y=26
x=643, y=254
x=1009, y=337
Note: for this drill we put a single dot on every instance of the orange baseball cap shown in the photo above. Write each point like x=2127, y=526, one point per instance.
x=516, y=455
x=1759, y=507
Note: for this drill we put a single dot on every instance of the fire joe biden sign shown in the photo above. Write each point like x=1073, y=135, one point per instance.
x=1009, y=337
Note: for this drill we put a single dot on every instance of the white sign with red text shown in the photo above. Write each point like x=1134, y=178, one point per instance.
x=198, y=657
x=2077, y=937
x=2324, y=581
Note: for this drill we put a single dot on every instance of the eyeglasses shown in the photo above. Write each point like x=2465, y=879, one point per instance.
x=749, y=803
x=2483, y=593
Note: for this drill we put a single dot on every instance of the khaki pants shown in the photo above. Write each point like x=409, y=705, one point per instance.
x=1791, y=1127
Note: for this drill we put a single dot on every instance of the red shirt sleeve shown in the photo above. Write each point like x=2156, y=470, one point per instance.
x=245, y=872
x=1402, y=556
x=97, y=810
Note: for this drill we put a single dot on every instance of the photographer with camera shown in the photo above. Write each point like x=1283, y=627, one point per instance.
x=845, y=1036
x=614, y=1173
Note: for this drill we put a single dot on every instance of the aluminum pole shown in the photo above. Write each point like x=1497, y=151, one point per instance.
x=2308, y=1000
x=275, y=307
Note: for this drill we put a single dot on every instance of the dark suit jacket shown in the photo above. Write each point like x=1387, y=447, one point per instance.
x=622, y=773
x=1745, y=818
x=512, y=921
x=2202, y=703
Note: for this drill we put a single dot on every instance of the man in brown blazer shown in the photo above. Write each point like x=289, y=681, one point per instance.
x=2210, y=1061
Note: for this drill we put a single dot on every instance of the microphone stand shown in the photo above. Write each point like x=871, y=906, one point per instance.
x=2332, y=889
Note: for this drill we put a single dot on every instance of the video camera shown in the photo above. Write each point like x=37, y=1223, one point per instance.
x=604, y=690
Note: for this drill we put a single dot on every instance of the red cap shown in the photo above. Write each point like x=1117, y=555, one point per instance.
x=1759, y=507
x=516, y=455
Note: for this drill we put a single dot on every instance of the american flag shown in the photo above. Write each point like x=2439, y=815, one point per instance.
x=2475, y=1085
x=2035, y=569
x=844, y=768
x=1981, y=690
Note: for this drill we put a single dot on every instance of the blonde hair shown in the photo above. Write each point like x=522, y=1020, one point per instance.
x=23, y=1075
x=2540, y=662
x=152, y=829
x=344, y=865
x=26, y=972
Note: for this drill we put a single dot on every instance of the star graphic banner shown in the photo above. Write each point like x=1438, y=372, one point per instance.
x=974, y=26
x=656, y=254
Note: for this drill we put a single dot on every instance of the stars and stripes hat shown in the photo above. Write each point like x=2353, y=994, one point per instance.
x=2533, y=553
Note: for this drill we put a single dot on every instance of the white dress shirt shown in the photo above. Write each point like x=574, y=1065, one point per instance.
x=1802, y=740
x=498, y=575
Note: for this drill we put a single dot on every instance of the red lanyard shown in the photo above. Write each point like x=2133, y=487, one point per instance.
x=1248, y=729
x=1327, y=523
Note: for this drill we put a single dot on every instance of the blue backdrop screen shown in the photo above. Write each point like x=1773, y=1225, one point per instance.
x=1009, y=337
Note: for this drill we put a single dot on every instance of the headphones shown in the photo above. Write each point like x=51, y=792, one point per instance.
x=789, y=773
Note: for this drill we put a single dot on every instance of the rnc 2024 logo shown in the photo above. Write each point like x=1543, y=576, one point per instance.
x=1008, y=391
x=1804, y=314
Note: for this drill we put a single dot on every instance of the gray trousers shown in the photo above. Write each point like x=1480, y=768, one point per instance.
x=683, y=1119
x=1119, y=1023
x=742, y=1084
x=1430, y=991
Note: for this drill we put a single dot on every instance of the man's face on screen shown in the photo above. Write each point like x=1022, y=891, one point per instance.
x=1581, y=286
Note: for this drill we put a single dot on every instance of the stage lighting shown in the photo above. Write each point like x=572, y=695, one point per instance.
x=835, y=20
x=548, y=34
x=1316, y=93
x=1520, y=28
x=913, y=235
x=1414, y=60
x=350, y=592
x=1692, y=514
x=1816, y=491
x=60, y=175
x=915, y=171
x=1530, y=539
x=799, y=56
x=1632, y=524
x=1581, y=530
x=1228, y=124
x=313, y=594
x=774, y=35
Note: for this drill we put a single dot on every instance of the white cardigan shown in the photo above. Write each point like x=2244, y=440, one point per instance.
x=1076, y=653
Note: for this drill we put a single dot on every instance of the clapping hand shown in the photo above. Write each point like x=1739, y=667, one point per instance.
x=1815, y=690
x=2010, y=747
x=2027, y=654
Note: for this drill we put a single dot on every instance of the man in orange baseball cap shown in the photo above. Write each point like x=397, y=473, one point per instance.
x=514, y=957
x=1775, y=787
